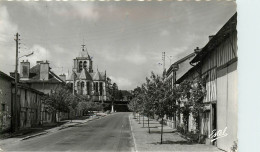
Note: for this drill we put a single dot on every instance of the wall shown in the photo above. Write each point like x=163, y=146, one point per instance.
x=5, y=100
x=30, y=108
x=183, y=68
x=45, y=87
x=227, y=96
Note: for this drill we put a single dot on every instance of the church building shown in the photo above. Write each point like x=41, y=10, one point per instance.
x=84, y=80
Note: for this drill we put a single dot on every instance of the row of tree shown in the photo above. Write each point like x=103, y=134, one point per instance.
x=62, y=100
x=158, y=98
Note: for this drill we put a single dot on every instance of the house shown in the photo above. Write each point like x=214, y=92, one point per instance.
x=85, y=81
x=24, y=113
x=216, y=63
x=5, y=101
x=29, y=107
x=218, y=60
x=41, y=78
x=176, y=71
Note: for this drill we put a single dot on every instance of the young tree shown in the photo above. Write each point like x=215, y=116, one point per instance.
x=192, y=94
x=163, y=98
x=58, y=100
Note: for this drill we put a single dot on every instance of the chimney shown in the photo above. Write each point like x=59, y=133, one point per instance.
x=38, y=62
x=197, y=50
x=44, y=70
x=63, y=77
x=24, y=70
x=211, y=36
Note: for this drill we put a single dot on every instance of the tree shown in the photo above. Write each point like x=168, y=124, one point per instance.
x=133, y=106
x=192, y=94
x=164, y=97
x=58, y=100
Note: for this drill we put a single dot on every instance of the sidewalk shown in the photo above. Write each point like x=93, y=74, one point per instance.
x=172, y=141
x=52, y=129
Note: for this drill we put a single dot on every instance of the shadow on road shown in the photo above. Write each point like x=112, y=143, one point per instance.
x=174, y=142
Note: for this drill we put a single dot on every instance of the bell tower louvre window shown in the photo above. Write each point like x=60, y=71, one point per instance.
x=85, y=64
x=80, y=66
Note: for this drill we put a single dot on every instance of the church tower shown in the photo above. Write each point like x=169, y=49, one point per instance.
x=83, y=61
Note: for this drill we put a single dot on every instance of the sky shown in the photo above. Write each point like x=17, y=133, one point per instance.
x=124, y=38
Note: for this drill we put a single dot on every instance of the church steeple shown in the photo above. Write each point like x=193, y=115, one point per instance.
x=83, y=47
x=83, y=61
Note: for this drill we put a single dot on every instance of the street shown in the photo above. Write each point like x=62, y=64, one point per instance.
x=111, y=133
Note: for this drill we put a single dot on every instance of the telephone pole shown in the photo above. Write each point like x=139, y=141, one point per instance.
x=14, y=102
x=163, y=59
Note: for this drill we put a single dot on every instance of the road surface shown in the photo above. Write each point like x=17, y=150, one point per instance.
x=111, y=133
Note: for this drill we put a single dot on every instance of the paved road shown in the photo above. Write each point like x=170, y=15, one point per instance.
x=111, y=133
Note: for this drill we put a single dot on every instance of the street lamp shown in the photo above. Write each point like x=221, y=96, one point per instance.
x=26, y=55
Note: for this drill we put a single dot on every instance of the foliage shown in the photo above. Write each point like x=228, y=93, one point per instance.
x=59, y=100
x=87, y=106
x=192, y=93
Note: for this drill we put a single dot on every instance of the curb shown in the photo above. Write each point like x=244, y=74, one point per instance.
x=35, y=135
x=61, y=128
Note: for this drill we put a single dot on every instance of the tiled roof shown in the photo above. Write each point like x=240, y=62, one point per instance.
x=83, y=54
x=221, y=35
x=84, y=75
x=98, y=76
x=34, y=76
x=2, y=74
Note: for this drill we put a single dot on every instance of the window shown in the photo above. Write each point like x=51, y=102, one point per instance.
x=88, y=88
x=80, y=66
x=85, y=64
x=96, y=86
x=101, y=88
x=3, y=108
x=81, y=88
x=25, y=95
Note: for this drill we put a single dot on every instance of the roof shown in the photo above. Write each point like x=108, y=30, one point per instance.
x=173, y=66
x=20, y=85
x=34, y=76
x=99, y=76
x=85, y=75
x=187, y=74
x=83, y=54
x=2, y=74
x=221, y=35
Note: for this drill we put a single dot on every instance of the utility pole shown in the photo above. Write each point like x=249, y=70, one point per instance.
x=14, y=102
x=163, y=59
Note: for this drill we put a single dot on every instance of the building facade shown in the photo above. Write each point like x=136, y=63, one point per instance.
x=85, y=81
x=216, y=63
x=175, y=72
x=29, y=107
x=5, y=101
x=25, y=112
x=41, y=78
x=218, y=60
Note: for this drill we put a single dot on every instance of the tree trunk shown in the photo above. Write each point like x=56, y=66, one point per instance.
x=162, y=131
x=143, y=120
x=139, y=118
x=148, y=125
x=199, y=125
